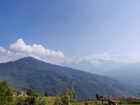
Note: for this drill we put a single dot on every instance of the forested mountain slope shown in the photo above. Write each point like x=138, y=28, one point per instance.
x=52, y=79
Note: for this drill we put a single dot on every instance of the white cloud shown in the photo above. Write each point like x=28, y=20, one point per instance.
x=21, y=47
x=10, y=56
x=94, y=57
x=127, y=59
x=2, y=50
x=95, y=63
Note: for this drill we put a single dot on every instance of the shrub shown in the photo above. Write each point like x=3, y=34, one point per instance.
x=6, y=94
x=20, y=101
x=29, y=92
x=41, y=102
x=86, y=103
x=46, y=94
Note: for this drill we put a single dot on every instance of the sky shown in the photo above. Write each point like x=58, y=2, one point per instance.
x=90, y=35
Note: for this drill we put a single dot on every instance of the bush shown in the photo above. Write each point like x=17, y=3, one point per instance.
x=58, y=101
x=6, y=94
x=35, y=94
x=29, y=92
x=46, y=94
x=66, y=97
x=20, y=101
x=41, y=102
x=30, y=100
x=86, y=103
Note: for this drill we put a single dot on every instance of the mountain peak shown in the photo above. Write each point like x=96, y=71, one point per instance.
x=38, y=75
x=27, y=58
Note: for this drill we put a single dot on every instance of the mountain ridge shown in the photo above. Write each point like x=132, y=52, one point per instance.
x=17, y=73
x=127, y=74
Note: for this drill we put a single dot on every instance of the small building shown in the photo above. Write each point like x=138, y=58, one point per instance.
x=22, y=93
x=111, y=102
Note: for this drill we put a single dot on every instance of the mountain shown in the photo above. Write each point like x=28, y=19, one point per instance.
x=128, y=74
x=52, y=79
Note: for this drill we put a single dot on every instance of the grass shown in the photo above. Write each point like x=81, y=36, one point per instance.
x=45, y=98
x=93, y=103
x=50, y=101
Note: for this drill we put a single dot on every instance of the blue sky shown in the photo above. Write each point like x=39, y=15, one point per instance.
x=91, y=35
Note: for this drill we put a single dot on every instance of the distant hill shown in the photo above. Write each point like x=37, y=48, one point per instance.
x=52, y=79
x=128, y=74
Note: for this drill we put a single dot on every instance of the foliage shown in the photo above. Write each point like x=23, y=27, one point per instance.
x=97, y=96
x=41, y=102
x=20, y=101
x=18, y=93
x=35, y=94
x=58, y=101
x=108, y=96
x=30, y=100
x=6, y=94
x=86, y=103
x=52, y=79
x=29, y=92
x=101, y=97
x=66, y=97
x=46, y=94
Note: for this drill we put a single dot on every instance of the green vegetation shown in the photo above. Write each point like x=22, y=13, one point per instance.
x=23, y=75
x=29, y=92
x=20, y=101
x=69, y=97
x=46, y=95
x=52, y=79
x=66, y=97
x=86, y=103
x=6, y=94
x=98, y=97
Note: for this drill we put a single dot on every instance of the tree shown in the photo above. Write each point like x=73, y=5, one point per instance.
x=32, y=101
x=6, y=94
x=100, y=97
x=108, y=96
x=35, y=94
x=73, y=95
x=97, y=96
x=18, y=93
x=58, y=101
x=29, y=92
x=46, y=94
x=41, y=102
x=64, y=98
x=86, y=103
x=20, y=101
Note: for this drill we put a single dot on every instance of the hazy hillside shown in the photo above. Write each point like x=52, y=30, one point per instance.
x=52, y=79
x=128, y=74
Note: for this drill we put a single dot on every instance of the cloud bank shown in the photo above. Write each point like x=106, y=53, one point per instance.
x=2, y=50
x=21, y=47
x=19, y=50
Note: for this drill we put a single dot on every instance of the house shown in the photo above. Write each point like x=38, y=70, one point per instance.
x=111, y=102
x=22, y=93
